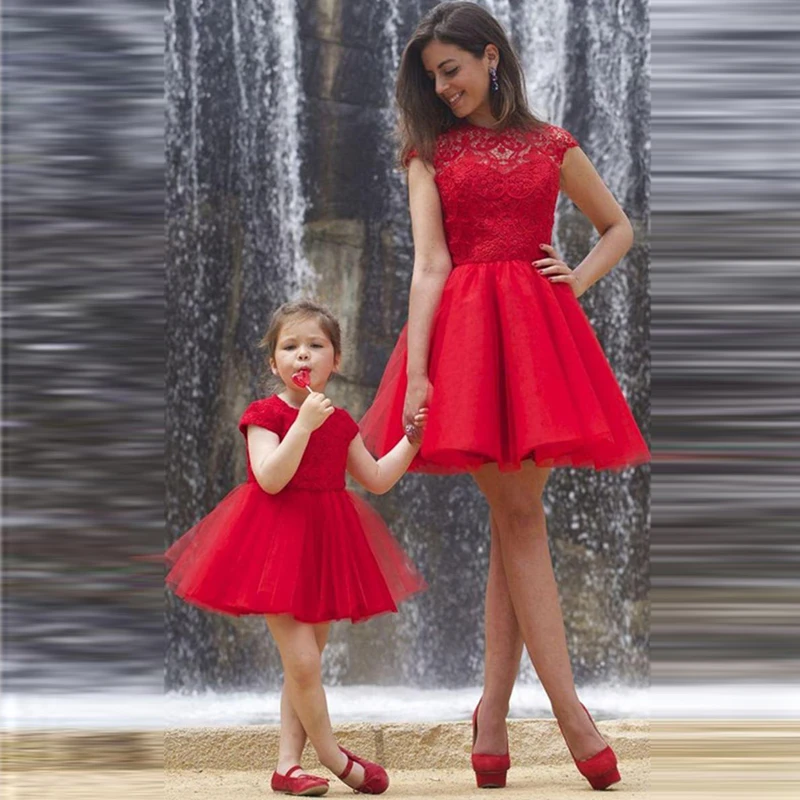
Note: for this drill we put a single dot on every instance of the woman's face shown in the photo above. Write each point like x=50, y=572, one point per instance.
x=461, y=80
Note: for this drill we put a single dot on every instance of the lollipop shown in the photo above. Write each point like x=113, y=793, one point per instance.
x=302, y=379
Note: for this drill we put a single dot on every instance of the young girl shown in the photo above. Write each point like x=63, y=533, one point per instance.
x=291, y=543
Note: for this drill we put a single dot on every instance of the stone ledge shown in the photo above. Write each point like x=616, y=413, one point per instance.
x=398, y=746
x=394, y=745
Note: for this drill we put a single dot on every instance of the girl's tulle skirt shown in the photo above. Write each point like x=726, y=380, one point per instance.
x=517, y=374
x=315, y=555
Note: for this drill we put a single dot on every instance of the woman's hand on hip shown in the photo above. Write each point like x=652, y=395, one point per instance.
x=556, y=271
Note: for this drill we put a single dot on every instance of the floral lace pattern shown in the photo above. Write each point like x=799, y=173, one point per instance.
x=498, y=190
x=324, y=461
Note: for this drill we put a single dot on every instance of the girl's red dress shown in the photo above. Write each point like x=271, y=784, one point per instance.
x=314, y=550
x=516, y=369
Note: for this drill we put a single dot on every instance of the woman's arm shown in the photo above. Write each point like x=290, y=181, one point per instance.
x=432, y=265
x=582, y=184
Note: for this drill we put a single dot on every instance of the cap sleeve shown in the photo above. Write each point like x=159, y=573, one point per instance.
x=412, y=153
x=561, y=141
x=263, y=413
x=349, y=425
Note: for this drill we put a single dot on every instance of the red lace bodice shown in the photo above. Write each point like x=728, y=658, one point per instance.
x=324, y=461
x=498, y=190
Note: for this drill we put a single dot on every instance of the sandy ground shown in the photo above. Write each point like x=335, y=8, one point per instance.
x=700, y=777
x=524, y=782
x=679, y=759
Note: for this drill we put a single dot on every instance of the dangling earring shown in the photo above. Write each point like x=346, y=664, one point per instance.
x=493, y=76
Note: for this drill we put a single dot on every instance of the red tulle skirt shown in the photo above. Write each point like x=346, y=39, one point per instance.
x=316, y=555
x=517, y=374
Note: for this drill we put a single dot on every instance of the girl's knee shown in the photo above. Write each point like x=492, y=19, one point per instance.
x=304, y=668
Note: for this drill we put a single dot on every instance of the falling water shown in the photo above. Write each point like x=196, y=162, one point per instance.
x=280, y=175
x=256, y=151
x=289, y=195
x=84, y=322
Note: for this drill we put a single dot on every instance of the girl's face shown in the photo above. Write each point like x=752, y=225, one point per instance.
x=303, y=345
x=461, y=80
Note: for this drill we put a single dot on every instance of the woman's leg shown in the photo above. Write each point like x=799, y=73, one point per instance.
x=302, y=683
x=516, y=505
x=503, y=653
x=293, y=735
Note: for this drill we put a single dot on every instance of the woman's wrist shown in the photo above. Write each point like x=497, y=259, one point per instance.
x=580, y=281
x=416, y=376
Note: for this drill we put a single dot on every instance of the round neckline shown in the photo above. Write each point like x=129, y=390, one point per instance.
x=288, y=405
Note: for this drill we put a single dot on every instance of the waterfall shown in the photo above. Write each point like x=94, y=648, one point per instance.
x=541, y=31
x=289, y=193
x=281, y=136
x=84, y=490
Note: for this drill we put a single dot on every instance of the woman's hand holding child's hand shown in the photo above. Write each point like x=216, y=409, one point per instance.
x=315, y=410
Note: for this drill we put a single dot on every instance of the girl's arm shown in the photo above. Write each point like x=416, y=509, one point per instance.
x=274, y=462
x=379, y=476
x=432, y=265
x=586, y=189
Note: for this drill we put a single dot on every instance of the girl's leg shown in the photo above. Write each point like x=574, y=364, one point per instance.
x=302, y=683
x=293, y=735
x=515, y=502
x=503, y=653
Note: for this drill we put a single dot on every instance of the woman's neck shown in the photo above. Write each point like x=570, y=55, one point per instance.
x=482, y=117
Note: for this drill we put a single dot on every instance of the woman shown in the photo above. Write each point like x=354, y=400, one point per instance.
x=498, y=347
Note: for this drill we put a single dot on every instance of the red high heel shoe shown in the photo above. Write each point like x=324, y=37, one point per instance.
x=490, y=771
x=301, y=786
x=376, y=781
x=601, y=768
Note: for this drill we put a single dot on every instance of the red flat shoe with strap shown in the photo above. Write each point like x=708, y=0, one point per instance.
x=376, y=781
x=600, y=769
x=490, y=771
x=301, y=786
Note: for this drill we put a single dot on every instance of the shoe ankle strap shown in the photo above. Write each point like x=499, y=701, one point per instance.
x=348, y=769
x=291, y=770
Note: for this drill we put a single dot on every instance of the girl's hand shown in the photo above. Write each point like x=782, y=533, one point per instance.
x=557, y=271
x=417, y=395
x=415, y=429
x=315, y=410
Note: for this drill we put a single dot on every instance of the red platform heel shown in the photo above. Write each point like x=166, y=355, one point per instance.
x=301, y=786
x=600, y=769
x=376, y=781
x=490, y=771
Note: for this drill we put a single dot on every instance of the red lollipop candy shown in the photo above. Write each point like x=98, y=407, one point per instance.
x=302, y=379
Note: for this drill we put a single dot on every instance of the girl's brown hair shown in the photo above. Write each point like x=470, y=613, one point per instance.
x=423, y=116
x=300, y=310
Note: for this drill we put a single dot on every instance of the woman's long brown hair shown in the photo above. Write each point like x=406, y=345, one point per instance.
x=423, y=116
